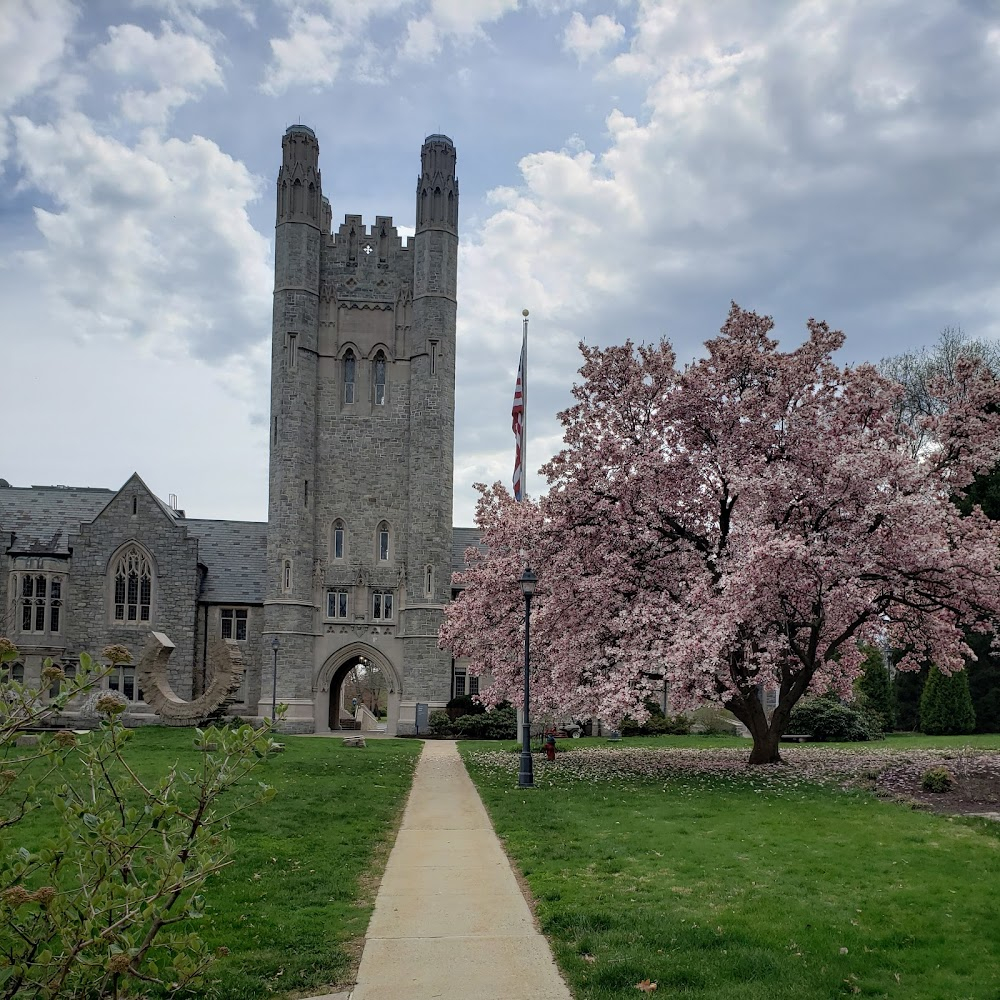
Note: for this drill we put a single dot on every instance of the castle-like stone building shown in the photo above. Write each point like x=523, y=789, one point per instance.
x=354, y=563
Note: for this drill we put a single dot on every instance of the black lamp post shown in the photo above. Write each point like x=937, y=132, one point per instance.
x=525, y=775
x=274, y=679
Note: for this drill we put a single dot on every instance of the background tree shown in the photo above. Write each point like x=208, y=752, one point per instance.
x=743, y=522
x=945, y=705
x=877, y=688
x=908, y=686
x=922, y=374
x=366, y=682
x=918, y=371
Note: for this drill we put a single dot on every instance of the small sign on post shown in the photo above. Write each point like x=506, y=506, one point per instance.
x=421, y=717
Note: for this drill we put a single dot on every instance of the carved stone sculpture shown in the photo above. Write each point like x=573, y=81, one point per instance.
x=225, y=662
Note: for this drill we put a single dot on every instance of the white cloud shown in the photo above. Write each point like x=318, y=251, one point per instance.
x=588, y=40
x=805, y=163
x=321, y=37
x=179, y=67
x=34, y=38
x=189, y=15
x=327, y=38
x=151, y=242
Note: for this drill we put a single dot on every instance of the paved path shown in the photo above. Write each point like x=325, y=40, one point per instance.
x=450, y=922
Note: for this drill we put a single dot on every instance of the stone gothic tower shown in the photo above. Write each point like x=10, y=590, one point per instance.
x=361, y=444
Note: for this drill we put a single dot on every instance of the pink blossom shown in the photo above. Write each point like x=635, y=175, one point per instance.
x=747, y=520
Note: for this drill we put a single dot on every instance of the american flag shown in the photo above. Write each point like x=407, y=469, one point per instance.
x=517, y=424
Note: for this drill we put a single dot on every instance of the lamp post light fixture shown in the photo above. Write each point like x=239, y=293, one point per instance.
x=525, y=774
x=274, y=678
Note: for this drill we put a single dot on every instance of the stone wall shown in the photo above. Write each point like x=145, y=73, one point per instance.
x=174, y=557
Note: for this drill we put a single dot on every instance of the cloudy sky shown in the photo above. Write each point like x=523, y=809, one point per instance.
x=626, y=169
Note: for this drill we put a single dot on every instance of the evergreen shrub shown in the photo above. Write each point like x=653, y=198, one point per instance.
x=946, y=704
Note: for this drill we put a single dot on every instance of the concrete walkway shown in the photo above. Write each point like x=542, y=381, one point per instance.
x=450, y=922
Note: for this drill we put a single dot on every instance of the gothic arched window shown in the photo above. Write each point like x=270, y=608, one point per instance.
x=338, y=546
x=132, y=576
x=383, y=539
x=350, y=365
x=378, y=374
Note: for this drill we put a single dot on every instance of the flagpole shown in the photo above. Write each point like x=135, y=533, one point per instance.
x=524, y=397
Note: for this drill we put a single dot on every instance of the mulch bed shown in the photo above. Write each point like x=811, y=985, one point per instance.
x=976, y=790
x=889, y=772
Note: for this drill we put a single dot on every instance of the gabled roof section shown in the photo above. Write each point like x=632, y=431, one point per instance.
x=461, y=539
x=135, y=479
x=235, y=556
x=41, y=518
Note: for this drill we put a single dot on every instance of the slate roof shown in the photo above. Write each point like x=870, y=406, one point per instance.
x=235, y=554
x=42, y=517
x=461, y=539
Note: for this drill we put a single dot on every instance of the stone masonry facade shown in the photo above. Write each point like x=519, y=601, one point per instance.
x=354, y=564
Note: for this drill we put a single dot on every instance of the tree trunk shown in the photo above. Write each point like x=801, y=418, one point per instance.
x=766, y=744
x=766, y=732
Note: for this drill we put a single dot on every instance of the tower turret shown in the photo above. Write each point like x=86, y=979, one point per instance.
x=299, y=190
x=437, y=186
x=289, y=604
x=431, y=341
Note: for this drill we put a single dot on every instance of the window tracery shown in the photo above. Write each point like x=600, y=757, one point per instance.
x=133, y=586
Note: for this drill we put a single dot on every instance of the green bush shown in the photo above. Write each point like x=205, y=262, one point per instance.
x=946, y=704
x=464, y=704
x=498, y=723
x=657, y=725
x=440, y=725
x=876, y=687
x=937, y=779
x=828, y=720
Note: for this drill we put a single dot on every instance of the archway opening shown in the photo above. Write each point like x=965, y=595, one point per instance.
x=359, y=696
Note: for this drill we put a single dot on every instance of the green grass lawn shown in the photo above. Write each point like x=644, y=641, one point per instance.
x=295, y=904
x=745, y=885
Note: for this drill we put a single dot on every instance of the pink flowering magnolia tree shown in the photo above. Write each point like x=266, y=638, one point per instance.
x=741, y=523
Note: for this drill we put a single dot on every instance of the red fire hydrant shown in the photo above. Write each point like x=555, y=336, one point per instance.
x=550, y=748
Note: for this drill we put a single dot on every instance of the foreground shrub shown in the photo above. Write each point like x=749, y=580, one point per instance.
x=946, y=704
x=937, y=779
x=498, y=723
x=92, y=910
x=828, y=720
x=440, y=725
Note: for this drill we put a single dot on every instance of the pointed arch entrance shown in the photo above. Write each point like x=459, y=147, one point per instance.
x=330, y=685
